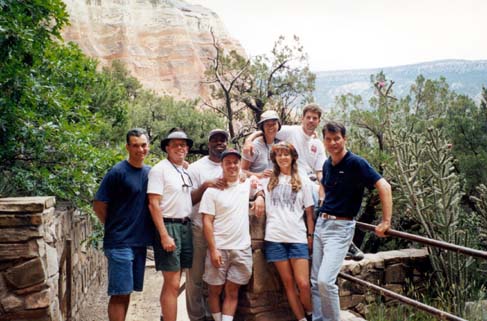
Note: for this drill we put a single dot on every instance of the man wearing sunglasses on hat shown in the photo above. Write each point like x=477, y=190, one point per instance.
x=169, y=191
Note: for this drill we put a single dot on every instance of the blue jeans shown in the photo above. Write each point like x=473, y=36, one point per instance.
x=330, y=245
x=126, y=267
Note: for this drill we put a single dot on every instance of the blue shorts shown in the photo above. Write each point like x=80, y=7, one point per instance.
x=126, y=267
x=275, y=252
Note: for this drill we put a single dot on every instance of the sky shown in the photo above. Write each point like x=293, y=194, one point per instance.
x=358, y=34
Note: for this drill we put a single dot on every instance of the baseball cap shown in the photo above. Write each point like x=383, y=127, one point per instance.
x=217, y=131
x=230, y=151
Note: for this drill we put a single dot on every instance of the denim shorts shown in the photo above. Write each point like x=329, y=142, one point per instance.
x=126, y=267
x=182, y=256
x=275, y=251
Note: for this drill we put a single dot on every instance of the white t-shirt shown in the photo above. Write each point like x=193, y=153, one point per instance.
x=310, y=150
x=285, y=218
x=200, y=171
x=167, y=180
x=231, y=209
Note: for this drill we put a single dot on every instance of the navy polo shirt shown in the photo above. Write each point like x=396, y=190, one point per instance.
x=128, y=222
x=345, y=183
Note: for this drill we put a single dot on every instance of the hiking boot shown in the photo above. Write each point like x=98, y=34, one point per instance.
x=354, y=253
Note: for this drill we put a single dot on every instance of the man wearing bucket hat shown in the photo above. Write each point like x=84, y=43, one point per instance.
x=205, y=173
x=258, y=163
x=228, y=264
x=169, y=191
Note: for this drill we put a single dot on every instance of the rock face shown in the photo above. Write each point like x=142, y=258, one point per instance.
x=35, y=239
x=166, y=44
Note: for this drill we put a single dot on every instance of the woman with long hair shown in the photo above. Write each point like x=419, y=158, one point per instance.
x=289, y=232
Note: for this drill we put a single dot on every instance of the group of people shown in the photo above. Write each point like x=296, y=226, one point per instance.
x=196, y=217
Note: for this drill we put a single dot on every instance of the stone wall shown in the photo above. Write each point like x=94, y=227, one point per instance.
x=399, y=271
x=32, y=239
x=264, y=298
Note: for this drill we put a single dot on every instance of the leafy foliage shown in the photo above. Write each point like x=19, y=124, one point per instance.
x=160, y=114
x=431, y=145
x=50, y=132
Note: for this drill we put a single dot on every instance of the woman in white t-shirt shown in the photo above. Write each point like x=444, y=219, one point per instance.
x=288, y=238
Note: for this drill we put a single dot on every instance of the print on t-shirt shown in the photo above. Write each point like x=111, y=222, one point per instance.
x=283, y=196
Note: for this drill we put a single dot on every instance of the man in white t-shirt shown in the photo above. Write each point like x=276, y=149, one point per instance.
x=169, y=192
x=226, y=228
x=206, y=172
x=310, y=149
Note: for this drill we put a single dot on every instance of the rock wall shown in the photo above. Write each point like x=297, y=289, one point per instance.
x=264, y=298
x=399, y=271
x=33, y=235
x=166, y=44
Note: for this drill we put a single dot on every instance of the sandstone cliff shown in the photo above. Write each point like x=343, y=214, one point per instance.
x=164, y=43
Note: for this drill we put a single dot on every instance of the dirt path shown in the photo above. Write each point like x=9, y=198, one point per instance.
x=144, y=306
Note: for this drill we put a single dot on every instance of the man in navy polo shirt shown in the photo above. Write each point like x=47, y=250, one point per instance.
x=345, y=176
x=121, y=205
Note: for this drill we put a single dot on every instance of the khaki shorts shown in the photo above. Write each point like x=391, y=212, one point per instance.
x=236, y=268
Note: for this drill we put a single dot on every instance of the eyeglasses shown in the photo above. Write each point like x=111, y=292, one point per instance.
x=186, y=184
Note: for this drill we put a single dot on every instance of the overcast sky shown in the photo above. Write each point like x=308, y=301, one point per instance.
x=351, y=34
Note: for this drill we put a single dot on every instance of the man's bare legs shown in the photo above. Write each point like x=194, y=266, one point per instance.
x=169, y=295
x=117, y=307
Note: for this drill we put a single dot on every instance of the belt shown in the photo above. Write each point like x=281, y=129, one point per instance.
x=326, y=216
x=184, y=220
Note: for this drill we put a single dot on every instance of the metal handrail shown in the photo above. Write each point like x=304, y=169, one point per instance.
x=421, y=306
x=428, y=241
x=424, y=240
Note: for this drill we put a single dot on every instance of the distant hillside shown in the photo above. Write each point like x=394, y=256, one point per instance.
x=463, y=76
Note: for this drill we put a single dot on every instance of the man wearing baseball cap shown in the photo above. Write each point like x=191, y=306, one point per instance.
x=205, y=173
x=225, y=213
x=169, y=192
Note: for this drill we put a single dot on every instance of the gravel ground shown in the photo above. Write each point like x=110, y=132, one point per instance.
x=144, y=306
x=95, y=307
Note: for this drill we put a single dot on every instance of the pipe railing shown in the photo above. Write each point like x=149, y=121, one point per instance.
x=424, y=240
x=428, y=241
x=442, y=315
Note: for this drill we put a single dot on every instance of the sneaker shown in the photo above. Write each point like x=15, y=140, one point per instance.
x=309, y=317
x=354, y=253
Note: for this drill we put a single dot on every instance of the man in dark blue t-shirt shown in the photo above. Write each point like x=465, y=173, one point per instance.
x=121, y=205
x=345, y=176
